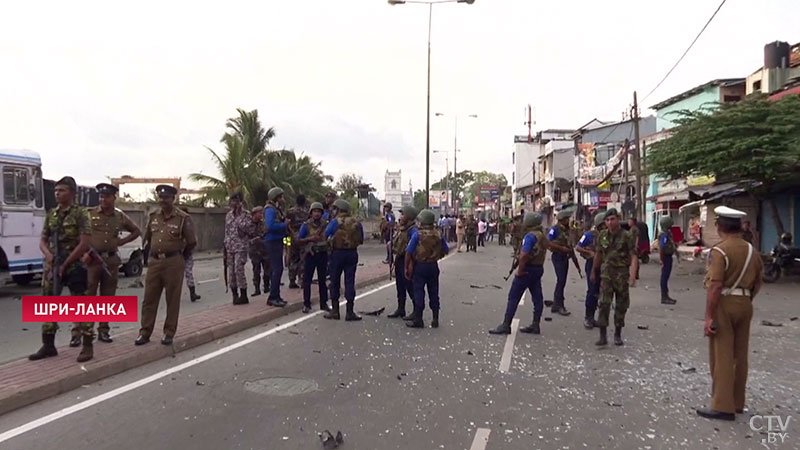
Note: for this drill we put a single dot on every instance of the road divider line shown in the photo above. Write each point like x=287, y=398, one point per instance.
x=508, y=350
x=208, y=281
x=481, y=439
x=34, y=424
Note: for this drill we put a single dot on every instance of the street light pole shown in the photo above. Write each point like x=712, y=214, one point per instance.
x=430, y=4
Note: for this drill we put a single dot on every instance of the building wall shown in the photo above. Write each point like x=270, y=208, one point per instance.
x=789, y=210
x=693, y=103
x=524, y=155
x=209, y=223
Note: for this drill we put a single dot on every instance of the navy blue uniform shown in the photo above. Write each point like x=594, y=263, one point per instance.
x=561, y=266
x=314, y=261
x=532, y=281
x=276, y=230
x=425, y=274
x=592, y=289
x=343, y=261
x=666, y=268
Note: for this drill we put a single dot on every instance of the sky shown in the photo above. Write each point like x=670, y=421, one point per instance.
x=104, y=89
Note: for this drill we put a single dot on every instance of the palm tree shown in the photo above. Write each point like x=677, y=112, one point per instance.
x=236, y=170
x=248, y=127
x=295, y=175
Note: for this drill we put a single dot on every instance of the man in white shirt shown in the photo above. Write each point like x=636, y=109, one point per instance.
x=481, y=232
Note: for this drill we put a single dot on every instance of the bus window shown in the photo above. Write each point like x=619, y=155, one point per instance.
x=37, y=187
x=16, y=185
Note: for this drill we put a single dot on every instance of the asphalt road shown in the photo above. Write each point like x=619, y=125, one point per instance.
x=19, y=339
x=388, y=387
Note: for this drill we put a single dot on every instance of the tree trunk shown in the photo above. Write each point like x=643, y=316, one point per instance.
x=776, y=218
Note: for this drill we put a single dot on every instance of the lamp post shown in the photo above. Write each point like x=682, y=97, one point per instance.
x=430, y=4
x=455, y=152
x=447, y=172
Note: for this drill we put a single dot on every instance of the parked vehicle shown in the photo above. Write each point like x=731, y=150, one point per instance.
x=132, y=257
x=783, y=259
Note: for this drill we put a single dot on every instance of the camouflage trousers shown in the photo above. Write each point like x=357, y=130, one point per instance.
x=75, y=279
x=260, y=262
x=613, y=286
x=188, y=270
x=296, y=266
x=237, y=279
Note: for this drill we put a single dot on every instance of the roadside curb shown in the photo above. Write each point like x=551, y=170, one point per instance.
x=18, y=390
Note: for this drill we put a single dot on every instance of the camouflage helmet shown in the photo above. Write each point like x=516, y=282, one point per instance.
x=666, y=222
x=387, y=205
x=342, y=205
x=426, y=217
x=599, y=219
x=274, y=193
x=410, y=212
x=532, y=219
x=317, y=205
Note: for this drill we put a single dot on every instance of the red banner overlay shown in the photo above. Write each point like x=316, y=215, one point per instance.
x=69, y=308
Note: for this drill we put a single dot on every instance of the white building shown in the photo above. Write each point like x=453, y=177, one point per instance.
x=530, y=162
x=393, y=189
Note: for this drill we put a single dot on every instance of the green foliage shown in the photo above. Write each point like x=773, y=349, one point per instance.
x=420, y=199
x=753, y=139
x=248, y=166
x=467, y=184
x=347, y=184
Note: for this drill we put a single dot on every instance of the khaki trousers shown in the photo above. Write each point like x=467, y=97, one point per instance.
x=728, y=351
x=162, y=275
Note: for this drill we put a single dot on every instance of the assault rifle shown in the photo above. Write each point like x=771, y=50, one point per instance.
x=57, y=286
x=99, y=259
x=575, y=261
x=225, y=267
x=514, y=265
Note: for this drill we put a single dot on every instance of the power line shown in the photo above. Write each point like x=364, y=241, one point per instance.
x=687, y=51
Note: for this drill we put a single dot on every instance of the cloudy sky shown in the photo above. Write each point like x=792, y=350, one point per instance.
x=100, y=89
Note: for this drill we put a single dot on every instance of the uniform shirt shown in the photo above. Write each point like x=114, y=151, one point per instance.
x=276, y=227
x=238, y=229
x=413, y=241
x=257, y=238
x=459, y=226
x=618, y=249
x=528, y=243
x=107, y=227
x=333, y=227
x=663, y=239
x=558, y=234
x=171, y=233
x=304, y=229
x=297, y=217
x=587, y=241
x=536, y=248
x=304, y=233
x=74, y=221
x=727, y=267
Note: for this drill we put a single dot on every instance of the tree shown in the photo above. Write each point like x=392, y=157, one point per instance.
x=348, y=183
x=420, y=199
x=248, y=127
x=236, y=173
x=754, y=139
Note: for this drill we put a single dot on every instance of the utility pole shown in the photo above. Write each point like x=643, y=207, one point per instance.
x=637, y=162
x=455, y=162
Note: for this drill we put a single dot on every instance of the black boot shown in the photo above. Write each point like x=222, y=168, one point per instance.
x=243, y=300
x=333, y=314
x=266, y=287
x=75, y=341
x=416, y=321
x=533, y=328
x=410, y=316
x=435, y=322
x=709, y=413
x=193, y=295
x=48, y=348
x=87, y=352
x=351, y=316
x=618, y=336
x=666, y=300
x=588, y=323
x=275, y=302
x=256, y=290
x=235, y=296
x=603, y=337
x=400, y=311
x=503, y=328
x=324, y=307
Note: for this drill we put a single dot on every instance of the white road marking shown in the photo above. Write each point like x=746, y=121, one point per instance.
x=505, y=361
x=34, y=424
x=208, y=281
x=481, y=439
x=522, y=300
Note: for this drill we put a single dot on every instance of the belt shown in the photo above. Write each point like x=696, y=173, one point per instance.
x=164, y=255
x=737, y=291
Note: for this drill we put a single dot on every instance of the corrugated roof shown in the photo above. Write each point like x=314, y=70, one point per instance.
x=696, y=90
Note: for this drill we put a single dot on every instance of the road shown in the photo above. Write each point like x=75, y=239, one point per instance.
x=389, y=387
x=19, y=339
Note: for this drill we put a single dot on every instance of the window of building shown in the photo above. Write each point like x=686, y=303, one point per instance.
x=513, y=158
x=757, y=86
x=731, y=98
x=16, y=189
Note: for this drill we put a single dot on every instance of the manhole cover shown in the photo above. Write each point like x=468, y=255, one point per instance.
x=283, y=387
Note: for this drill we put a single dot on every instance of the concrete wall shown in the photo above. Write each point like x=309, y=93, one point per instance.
x=209, y=223
x=703, y=99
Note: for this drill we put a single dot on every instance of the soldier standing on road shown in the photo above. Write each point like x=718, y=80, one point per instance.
x=258, y=251
x=559, y=245
x=238, y=229
x=616, y=262
x=107, y=224
x=472, y=234
x=460, y=228
x=188, y=270
x=733, y=280
x=330, y=197
x=587, y=246
x=275, y=222
x=666, y=250
x=405, y=287
x=297, y=216
x=170, y=236
x=315, y=250
x=426, y=247
x=530, y=269
x=72, y=226
x=502, y=227
x=387, y=230
x=345, y=234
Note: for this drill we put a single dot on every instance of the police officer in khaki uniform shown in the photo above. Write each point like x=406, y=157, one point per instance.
x=170, y=236
x=733, y=280
x=103, y=261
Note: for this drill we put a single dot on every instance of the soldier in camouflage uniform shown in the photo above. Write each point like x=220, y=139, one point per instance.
x=515, y=229
x=472, y=234
x=73, y=228
x=616, y=262
x=345, y=234
x=297, y=216
x=238, y=230
x=530, y=269
x=315, y=257
x=258, y=251
x=426, y=247
x=502, y=228
x=405, y=287
x=188, y=269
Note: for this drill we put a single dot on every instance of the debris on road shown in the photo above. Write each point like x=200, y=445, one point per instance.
x=199, y=383
x=329, y=441
x=469, y=352
x=136, y=284
x=614, y=404
x=377, y=312
x=768, y=323
x=643, y=327
x=468, y=303
x=548, y=319
x=482, y=286
x=793, y=319
x=689, y=370
x=548, y=303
